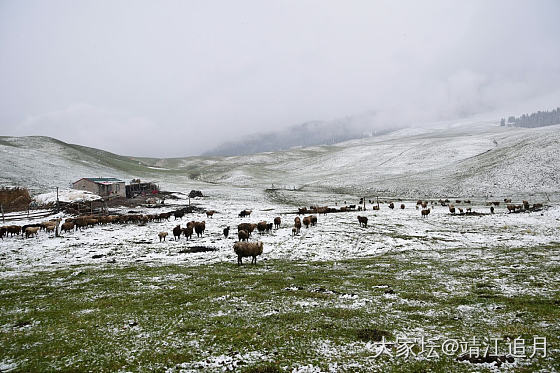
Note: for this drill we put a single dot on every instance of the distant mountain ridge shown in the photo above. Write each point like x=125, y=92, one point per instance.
x=306, y=134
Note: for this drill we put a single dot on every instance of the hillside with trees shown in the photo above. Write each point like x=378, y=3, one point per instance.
x=533, y=120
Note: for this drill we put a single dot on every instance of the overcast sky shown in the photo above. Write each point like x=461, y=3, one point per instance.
x=176, y=78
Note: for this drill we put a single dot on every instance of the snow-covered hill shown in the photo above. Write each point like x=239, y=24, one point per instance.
x=455, y=159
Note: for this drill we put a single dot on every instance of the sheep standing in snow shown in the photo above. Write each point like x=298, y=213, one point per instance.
x=226, y=232
x=277, y=222
x=247, y=249
x=177, y=232
x=425, y=212
x=162, y=236
x=31, y=231
x=297, y=224
x=391, y=205
x=243, y=235
x=188, y=231
x=363, y=221
x=307, y=221
x=402, y=206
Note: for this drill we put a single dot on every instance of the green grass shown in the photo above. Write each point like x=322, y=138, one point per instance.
x=279, y=315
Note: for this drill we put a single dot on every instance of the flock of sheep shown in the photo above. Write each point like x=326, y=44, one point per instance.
x=242, y=248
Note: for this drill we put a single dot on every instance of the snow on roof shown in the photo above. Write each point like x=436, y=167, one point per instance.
x=67, y=195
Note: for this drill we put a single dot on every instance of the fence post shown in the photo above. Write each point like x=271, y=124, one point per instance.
x=2, y=208
x=57, y=201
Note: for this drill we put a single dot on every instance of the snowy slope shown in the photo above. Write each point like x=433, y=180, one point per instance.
x=455, y=159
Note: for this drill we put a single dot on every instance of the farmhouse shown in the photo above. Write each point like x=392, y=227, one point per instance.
x=102, y=186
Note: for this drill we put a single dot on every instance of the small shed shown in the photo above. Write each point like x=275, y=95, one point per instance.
x=102, y=186
x=136, y=187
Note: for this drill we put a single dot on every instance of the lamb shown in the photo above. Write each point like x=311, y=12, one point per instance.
x=243, y=235
x=188, y=231
x=50, y=228
x=402, y=206
x=162, y=235
x=425, y=212
x=210, y=213
x=226, y=232
x=277, y=222
x=294, y=231
x=177, y=232
x=31, y=231
x=199, y=228
x=269, y=227
x=248, y=249
x=363, y=221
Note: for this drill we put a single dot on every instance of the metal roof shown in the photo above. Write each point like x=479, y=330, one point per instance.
x=102, y=180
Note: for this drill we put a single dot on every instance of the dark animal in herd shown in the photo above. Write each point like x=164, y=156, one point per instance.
x=363, y=221
x=425, y=212
x=226, y=232
x=245, y=213
x=277, y=222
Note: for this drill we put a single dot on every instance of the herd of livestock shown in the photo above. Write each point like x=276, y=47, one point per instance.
x=243, y=248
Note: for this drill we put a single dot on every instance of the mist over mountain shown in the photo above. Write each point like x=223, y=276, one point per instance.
x=307, y=134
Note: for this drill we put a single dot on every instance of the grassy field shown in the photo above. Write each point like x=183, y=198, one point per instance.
x=283, y=316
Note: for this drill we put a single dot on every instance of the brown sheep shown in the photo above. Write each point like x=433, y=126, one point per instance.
x=313, y=220
x=210, y=213
x=469, y=209
x=491, y=209
x=363, y=221
x=244, y=213
x=177, y=232
x=511, y=208
x=67, y=226
x=199, y=228
x=248, y=227
x=162, y=236
x=226, y=232
x=13, y=229
x=50, y=228
x=31, y=231
x=424, y=204
x=402, y=206
x=391, y=205
x=188, y=232
x=243, y=235
x=452, y=209
x=297, y=224
x=306, y=221
x=3, y=232
x=507, y=200
x=294, y=231
x=261, y=226
x=460, y=210
x=246, y=249
x=425, y=212
x=375, y=207
x=419, y=202
x=277, y=222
